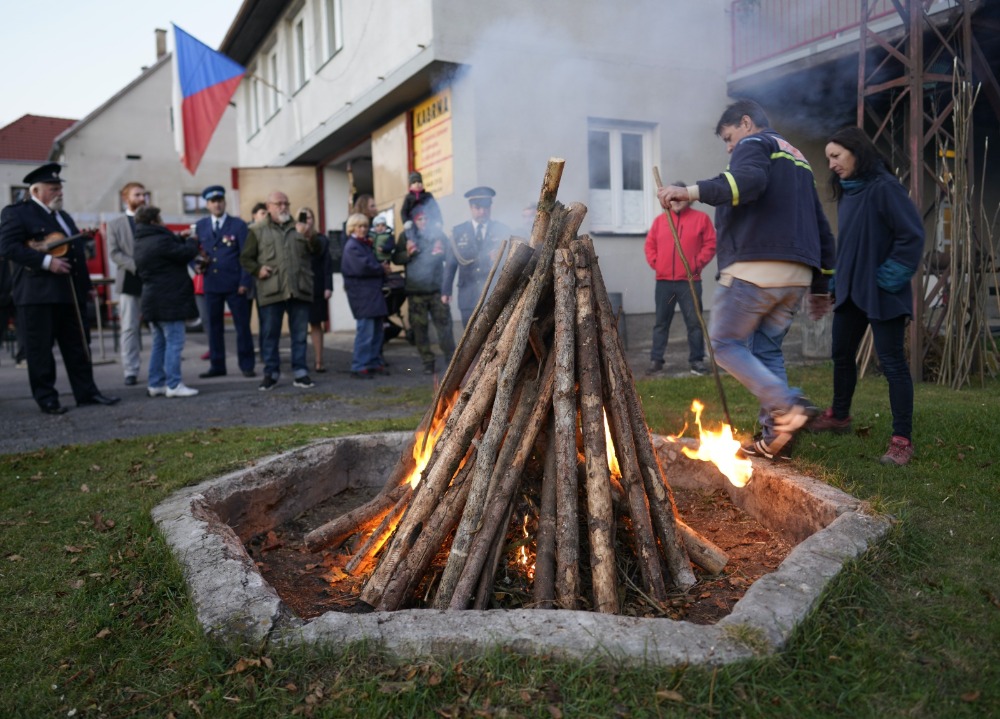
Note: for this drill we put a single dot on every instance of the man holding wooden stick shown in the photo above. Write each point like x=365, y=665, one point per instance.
x=774, y=243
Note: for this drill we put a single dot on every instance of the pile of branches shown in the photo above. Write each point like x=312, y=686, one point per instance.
x=540, y=369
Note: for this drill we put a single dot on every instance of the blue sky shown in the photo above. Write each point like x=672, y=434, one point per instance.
x=64, y=58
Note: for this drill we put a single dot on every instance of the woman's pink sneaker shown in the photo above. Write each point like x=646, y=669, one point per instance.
x=826, y=422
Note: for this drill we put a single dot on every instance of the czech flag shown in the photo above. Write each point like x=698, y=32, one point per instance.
x=204, y=82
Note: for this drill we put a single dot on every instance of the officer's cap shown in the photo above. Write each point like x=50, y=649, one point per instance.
x=46, y=173
x=481, y=195
x=211, y=193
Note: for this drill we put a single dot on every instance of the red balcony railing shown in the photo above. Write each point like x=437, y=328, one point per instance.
x=762, y=29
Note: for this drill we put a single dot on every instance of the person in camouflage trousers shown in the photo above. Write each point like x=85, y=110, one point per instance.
x=421, y=250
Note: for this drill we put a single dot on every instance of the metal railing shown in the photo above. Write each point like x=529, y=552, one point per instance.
x=763, y=29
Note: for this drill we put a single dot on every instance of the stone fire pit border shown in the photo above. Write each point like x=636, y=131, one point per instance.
x=206, y=525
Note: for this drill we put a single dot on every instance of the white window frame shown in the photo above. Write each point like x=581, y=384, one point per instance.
x=300, y=59
x=273, y=93
x=333, y=28
x=617, y=210
x=253, y=103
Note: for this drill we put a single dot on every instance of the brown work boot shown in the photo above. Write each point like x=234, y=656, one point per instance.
x=900, y=451
x=826, y=422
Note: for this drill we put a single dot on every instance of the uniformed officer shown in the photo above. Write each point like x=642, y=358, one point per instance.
x=222, y=238
x=49, y=289
x=473, y=249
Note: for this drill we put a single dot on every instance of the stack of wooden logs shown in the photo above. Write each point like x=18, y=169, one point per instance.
x=540, y=363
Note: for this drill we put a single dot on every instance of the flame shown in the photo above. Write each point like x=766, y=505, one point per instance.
x=612, y=457
x=523, y=559
x=422, y=450
x=721, y=449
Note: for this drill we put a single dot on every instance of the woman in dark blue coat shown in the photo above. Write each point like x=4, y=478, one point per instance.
x=363, y=278
x=879, y=245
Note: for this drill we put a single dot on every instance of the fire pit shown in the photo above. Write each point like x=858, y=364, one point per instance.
x=208, y=526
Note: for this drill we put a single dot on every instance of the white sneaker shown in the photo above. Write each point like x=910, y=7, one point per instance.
x=156, y=391
x=181, y=390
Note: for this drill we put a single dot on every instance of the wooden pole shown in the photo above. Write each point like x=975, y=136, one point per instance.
x=543, y=589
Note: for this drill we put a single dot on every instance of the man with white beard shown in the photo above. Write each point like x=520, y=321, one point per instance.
x=279, y=256
x=49, y=288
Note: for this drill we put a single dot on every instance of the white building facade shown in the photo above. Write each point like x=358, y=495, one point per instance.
x=353, y=95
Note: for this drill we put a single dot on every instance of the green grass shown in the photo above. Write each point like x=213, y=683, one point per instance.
x=97, y=621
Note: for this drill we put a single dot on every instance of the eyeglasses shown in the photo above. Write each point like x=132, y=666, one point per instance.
x=286, y=203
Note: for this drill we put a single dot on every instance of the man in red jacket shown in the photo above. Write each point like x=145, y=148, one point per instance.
x=697, y=236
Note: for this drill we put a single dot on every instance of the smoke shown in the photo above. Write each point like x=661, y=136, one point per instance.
x=535, y=75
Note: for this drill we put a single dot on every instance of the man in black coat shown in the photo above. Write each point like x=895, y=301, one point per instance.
x=47, y=290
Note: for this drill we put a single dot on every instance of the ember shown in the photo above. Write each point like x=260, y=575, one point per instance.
x=540, y=372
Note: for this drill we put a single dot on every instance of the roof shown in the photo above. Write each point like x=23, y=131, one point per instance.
x=30, y=137
x=251, y=26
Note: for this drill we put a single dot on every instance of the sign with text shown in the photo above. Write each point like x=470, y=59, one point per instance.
x=432, y=150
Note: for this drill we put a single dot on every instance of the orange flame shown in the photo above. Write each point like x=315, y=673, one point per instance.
x=721, y=449
x=523, y=558
x=422, y=450
x=612, y=457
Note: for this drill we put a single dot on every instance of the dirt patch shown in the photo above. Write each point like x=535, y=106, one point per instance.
x=312, y=583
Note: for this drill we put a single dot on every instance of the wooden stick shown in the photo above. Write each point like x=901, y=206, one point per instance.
x=487, y=576
x=359, y=519
x=543, y=589
x=367, y=551
x=546, y=200
x=567, y=550
x=600, y=517
x=705, y=553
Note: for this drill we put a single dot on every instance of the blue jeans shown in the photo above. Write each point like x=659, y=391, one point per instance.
x=889, y=336
x=165, y=356
x=239, y=307
x=270, y=336
x=669, y=294
x=367, y=344
x=747, y=327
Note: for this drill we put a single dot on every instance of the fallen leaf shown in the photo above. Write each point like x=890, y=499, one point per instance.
x=72, y=550
x=189, y=455
x=15, y=558
x=555, y=712
x=76, y=584
x=669, y=695
x=84, y=488
x=103, y=633
x=971, y=696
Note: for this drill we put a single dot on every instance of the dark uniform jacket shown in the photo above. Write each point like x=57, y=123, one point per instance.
x=223, y=274
x=28, y=220
x=471, y=261
x=767, y=207
x=161, y=259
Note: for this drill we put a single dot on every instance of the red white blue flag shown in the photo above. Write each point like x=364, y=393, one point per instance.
x=204, y=82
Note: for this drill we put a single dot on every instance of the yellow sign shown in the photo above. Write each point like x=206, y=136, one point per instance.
x=432, y=148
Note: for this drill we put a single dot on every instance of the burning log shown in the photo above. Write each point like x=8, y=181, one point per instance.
x=543, y=591
x=360, y=519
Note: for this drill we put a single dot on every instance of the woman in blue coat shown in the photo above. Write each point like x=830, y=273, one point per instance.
x=879, y=245
x=363, y=278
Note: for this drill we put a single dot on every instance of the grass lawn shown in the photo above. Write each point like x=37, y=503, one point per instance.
x=97, y=622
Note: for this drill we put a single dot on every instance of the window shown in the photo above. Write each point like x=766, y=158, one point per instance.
x=194, y=204
x=333, y=37
x=18, y=193
x=273, y=95
x=299, y=48
x=620, y=162
x=253, y=106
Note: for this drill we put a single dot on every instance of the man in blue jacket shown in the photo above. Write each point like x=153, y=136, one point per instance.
x=773, y=245
x=222, y=239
